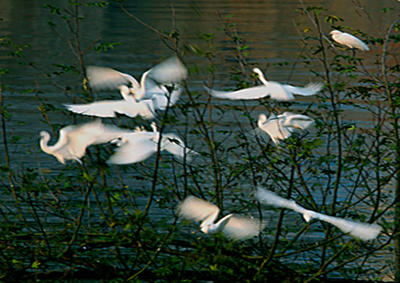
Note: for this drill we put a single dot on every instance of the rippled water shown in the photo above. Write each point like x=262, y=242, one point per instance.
x=268, y=27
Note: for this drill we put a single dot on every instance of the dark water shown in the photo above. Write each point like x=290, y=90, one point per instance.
x=268, y=27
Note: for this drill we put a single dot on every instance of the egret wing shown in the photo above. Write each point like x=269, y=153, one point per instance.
x=105, y=109
x=239, y=228
x=161, y=96
x=352, y=41
x=134, y=147
x=274, y=129
x=255, y=92
x=197, y=209
x=98, y=109
x=362, y=231
x=173, y=144
x=268, y=197
x=170, y=70
x=103, y=78
x=296, y=121
x=308, y=90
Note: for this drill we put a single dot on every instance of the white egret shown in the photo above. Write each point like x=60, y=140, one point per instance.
x=157, y=89
x=170, y=71
x=348, y=40
x=73, y=140
x=274, y=90
x=139, y=145
x=282, y=126
x=359, y=230
x=238, y=228
x=128, y=106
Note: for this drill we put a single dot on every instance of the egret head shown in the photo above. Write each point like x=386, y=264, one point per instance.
x=124, y=90
x=258, y=72
x=154, y=127
x=120, y=140
x=308, y=215
x=262, y=119
x=205, y=228
x=335, y=32
x=44, y=135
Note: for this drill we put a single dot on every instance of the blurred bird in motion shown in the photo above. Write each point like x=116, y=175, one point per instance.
x=282, y=126
x=273, y=90
x=139, y=145
x=158, y=88
x=73, y=140
x=361, y=231
x=108, y=108
x=237, y=228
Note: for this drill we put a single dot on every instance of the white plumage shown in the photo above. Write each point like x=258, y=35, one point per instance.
x=139, y=145
x=282, y=126
x=359, y=230
x=73, y=140
x=170, y=71
x=108, y=108
x=238, y=228
x=274, y=90
x=348, y=40
x=140, y=99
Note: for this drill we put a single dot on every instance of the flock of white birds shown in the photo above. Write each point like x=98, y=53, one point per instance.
x=160, y=88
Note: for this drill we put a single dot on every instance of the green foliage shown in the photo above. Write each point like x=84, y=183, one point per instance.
x=105, y=46
x=120, y=223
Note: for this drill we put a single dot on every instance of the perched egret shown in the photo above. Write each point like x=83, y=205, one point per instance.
x=274, y=90
x=359, y=230
x=128, y=106
x=139, y=145
x=282, y=126
x=238, y=228
x=348, y=40
x=73, y=140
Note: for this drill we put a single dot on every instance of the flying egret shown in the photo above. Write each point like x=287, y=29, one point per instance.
x=282, y=126
x=170, y=71
x=139, y=145
x=128, y=106
x=238, y=228
x=348, y=40
x=362, y=231
x=73, y=140
x=158, y=88
x=274, y=90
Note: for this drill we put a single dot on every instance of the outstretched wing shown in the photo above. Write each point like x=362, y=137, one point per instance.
x=175, y=145
x=197, y=209
x=134, y=147
x=362, y=231
x=242, y=94
x=169, y=71
x=103, y=78
x=274, y=129
x=106, y=108
x=297, y=121
x=241, y=228
x=308, y=90
x=268, y=197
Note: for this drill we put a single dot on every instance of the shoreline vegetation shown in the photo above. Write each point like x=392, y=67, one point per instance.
x=89, y=220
